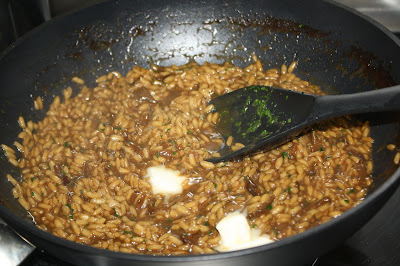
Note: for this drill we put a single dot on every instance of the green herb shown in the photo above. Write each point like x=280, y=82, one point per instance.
x=64, y=173
x=68, y=205
x=199, y=215
x=127, y=232
x=184, y=234
x=269, y=207
x=54, y=142
x=170, y=140
x=215, y=185
x=115, y=213
x=32, y=179
x=351, y=191
x=144, y=240
x=157, y=155
x=285, y=154
x=327, y=157
x=321, y=148
x=33, y=193
x=118, y=128
x=342, y=129
x=81, y=192
x=66, y=144
x=254, y=226
x=189, y=132
x=207, y=223
x=300, y=26
x=168, y=130
x=169, y=119
x=290, y=175
x=71, y=217
x=288, y=189
x=346, y=200
x=174, y=153
x=169, y=220
x=102, y=129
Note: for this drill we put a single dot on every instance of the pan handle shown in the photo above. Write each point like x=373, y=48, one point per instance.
x=13, y=248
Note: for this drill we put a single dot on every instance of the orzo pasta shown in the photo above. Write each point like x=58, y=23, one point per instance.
x=84, y=166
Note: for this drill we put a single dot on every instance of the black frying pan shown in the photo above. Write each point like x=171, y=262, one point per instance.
x=336, y=48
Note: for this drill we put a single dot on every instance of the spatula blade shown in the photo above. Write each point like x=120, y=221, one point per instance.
x=259, y=117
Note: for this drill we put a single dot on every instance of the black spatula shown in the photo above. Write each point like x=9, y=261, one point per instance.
x=266, y=117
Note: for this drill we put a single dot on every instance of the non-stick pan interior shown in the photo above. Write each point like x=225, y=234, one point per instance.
x=339, y=51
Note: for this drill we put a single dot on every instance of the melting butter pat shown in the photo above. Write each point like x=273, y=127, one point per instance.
x=164, y=181
x=236, y=233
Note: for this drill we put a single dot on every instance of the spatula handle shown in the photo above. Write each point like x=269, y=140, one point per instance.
x=387, y=99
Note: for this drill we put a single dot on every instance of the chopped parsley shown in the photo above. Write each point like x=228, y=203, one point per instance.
x=66, y=144
x=351, y=191
x=285, y=154
x=206, y=223
x=269, y=207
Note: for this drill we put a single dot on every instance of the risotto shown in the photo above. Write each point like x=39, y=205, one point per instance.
x=85, y=166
